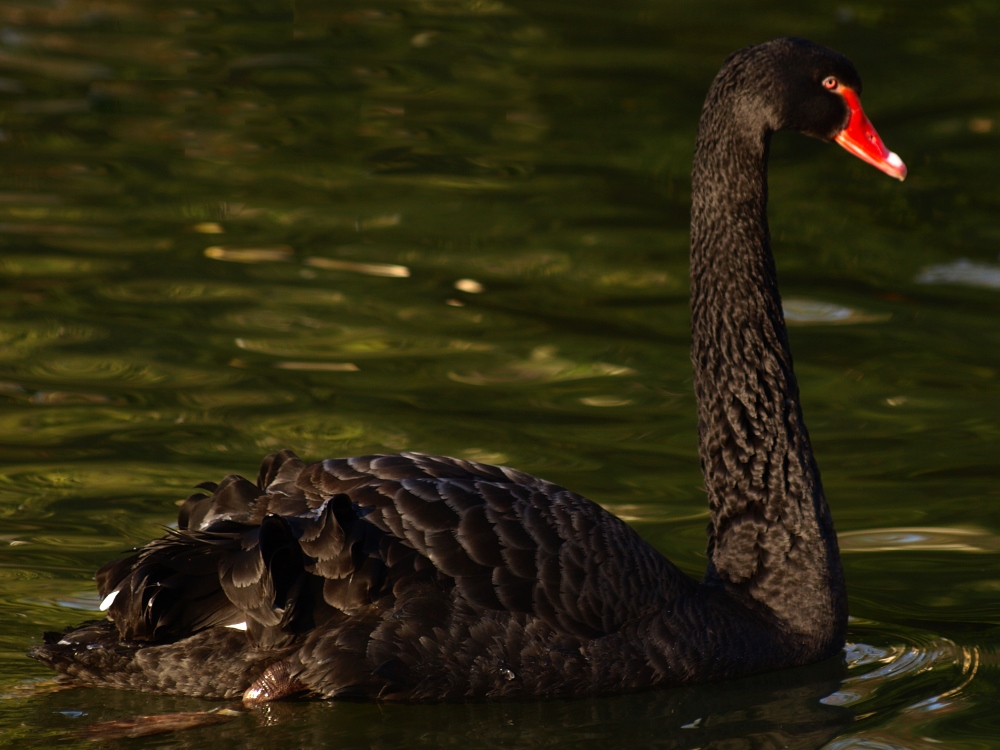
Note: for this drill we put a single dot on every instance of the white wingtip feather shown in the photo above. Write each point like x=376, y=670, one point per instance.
x=109, y=600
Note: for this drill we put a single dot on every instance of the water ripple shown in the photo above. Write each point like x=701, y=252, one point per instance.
x=964, y=272
x=816, y=312
x=898, y=686
x=543, y=365
x=67, y=368
x=919, y=538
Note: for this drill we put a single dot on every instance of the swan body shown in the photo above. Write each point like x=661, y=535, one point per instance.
x=425, y=578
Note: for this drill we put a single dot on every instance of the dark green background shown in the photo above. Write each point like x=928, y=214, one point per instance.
x=541, y=149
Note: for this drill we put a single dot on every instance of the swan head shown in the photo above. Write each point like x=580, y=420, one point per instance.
x=797, y=85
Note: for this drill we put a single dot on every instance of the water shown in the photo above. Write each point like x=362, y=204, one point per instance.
x=461, y=227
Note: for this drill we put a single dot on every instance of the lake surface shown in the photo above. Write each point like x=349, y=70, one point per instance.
x=460, y=227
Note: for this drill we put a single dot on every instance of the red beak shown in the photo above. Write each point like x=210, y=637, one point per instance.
x=860, y=139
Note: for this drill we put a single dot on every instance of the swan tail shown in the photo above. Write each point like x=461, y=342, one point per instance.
x=214, y=664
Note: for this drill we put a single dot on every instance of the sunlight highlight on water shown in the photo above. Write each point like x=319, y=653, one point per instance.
x=462, y=227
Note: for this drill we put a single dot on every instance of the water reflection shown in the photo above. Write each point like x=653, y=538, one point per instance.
x=775, y=711
x=810, y=707
x=545, y=365
x=371, y=269
x=249, y=254
x=919, y=538
x=812, y=312
x=461, y=227
x=905, y=727
x=964, y=272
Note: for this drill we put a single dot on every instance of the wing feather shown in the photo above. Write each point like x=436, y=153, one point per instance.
x=314, y=544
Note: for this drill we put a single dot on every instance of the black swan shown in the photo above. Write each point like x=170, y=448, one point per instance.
x=421, y=578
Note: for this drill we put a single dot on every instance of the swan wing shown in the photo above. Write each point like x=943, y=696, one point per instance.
x=314, y=545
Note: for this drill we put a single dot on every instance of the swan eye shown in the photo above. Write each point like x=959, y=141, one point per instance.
x=830, y=82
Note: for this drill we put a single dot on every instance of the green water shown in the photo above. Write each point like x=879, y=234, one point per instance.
x=460, y=227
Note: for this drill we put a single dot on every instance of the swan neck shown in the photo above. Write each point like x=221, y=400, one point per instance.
x=771, y=539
